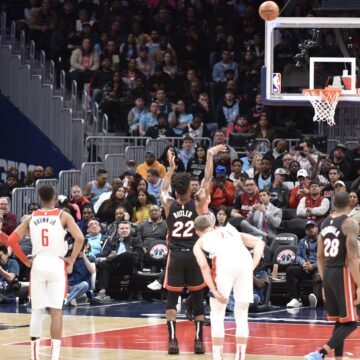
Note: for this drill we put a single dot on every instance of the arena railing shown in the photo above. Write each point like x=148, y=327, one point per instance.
x=157, y=145
x=115, y=164
x=21, y=198
x=41, y=182
x=29, y=84
x=136, y=153
x=67, y=179
x=99, y=146
x=88, y=172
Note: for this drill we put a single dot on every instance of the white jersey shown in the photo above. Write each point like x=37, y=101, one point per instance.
x=225, y=242
x=47, y=233
x=232, y=265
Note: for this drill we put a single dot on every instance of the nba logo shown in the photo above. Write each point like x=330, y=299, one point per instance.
x=276, y=83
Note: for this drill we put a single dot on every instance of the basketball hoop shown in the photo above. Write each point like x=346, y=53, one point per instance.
x=324, y=102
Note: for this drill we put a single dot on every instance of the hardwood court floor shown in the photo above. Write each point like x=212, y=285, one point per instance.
x=92, y=333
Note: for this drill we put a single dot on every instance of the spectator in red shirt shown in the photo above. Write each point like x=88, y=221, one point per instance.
x=244, y=202
x=9, y=219
x=298, y=192
x=222, y=191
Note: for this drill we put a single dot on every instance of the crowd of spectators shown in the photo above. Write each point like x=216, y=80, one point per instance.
x=192, y=71
x=288, y=189
x=199, y=61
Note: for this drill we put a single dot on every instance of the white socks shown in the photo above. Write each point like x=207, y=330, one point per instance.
x=240, y=352
x=35, y=345
x=55, y=349
x=218, y=352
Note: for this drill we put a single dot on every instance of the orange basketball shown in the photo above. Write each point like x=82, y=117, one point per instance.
x=269, y=10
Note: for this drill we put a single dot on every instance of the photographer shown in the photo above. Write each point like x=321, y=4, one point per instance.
x=10, y=288
x=79, y=279
x=222, y=191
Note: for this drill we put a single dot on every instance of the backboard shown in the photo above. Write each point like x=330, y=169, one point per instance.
x=310, y=52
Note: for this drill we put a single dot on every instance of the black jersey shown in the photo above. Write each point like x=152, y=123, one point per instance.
x=334, y=241
x=180, y=223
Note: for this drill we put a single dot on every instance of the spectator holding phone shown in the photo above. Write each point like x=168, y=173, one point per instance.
x=298, y=192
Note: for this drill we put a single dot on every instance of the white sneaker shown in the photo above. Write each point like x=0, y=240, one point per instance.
x=312, y=301
x=294, y=303
x=155, y=285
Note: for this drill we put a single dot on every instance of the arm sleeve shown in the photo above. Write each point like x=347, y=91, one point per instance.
x=15, y=246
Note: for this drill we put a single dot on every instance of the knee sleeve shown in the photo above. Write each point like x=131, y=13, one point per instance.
x=198, y=302
x=35, y=323
x=241, y=319
x=172, y=300
x=217, y=315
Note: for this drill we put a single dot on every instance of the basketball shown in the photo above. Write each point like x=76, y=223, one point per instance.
x=269, y=10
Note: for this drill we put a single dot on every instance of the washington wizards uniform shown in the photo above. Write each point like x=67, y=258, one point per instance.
x=182, y=268
x=338, y=284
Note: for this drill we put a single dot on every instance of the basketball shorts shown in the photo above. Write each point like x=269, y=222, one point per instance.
x=234, y=273
x=48, y=282
x=339, y=294
x=182, y=270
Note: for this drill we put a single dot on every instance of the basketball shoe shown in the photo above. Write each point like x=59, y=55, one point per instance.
x=199, y=347
x=315, y=355
x=173, y=347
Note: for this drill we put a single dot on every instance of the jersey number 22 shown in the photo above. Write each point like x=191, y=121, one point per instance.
x=183, y=230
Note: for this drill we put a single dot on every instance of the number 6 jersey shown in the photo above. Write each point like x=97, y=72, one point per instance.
x=47, y=233
x=334, y=241
x=180, y=223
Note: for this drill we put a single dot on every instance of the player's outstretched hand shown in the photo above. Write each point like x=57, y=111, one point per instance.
x=217, y=149
x=220, y=298
x=357, y=300
x=171, y=159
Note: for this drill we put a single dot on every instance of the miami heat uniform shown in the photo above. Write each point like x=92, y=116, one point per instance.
x=48, y=282
x=338, y=284
x=232, y=265
x=182, y=268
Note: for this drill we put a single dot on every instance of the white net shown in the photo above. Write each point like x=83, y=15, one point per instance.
x=324, y=102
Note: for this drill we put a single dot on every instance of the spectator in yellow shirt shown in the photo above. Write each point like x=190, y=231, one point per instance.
x=150, y=163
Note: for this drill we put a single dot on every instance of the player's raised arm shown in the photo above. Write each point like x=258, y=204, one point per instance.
x=14, y=238
x=203, y=194
x=74, y=230
x=255, y=243
x=351, y=231
x=165, y=186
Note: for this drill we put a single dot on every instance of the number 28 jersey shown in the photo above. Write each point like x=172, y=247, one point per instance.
x=47, y=233
x=334, y=241
x=180, y=223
